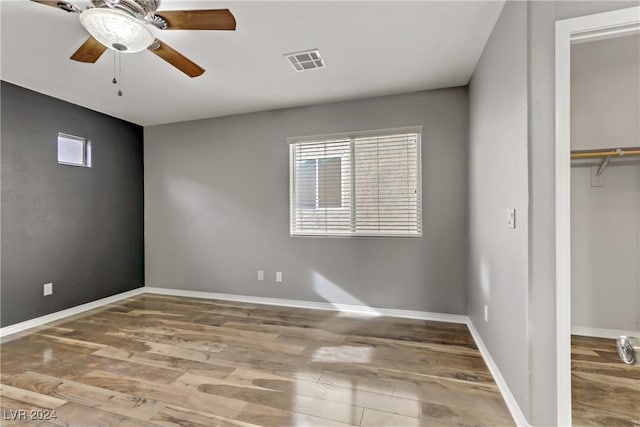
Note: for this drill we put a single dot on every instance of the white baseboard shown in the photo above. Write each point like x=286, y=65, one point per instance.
x=315, y=305
x=509, y=399
x=602, y=333
x=39, y=321
x=391, y=312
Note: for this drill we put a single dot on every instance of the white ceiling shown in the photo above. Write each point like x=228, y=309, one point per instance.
x=370, y=48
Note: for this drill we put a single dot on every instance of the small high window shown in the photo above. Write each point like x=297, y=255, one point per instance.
x=74, y=150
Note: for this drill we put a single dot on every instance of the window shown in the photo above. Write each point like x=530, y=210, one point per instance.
x=74, y=150
x=320, y=183
x=363, y=184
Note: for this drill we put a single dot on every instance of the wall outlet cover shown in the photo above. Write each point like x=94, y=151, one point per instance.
x=47, y=289
x=260, y=275
x=486, y=313
x=279, y=276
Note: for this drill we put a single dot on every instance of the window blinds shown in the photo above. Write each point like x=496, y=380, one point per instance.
x=365, y=185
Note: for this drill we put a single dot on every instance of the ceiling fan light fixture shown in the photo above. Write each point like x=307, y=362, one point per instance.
x=117, y=30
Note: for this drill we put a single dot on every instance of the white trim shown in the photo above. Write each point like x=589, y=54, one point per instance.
x=581, y=29
x=509, y=399
x=563, y=224
x=603, y=34
x=354, y=134
x=39, y=321
x=314, y=305
x=602, y=333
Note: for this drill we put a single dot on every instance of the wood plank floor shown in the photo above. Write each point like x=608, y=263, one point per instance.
x=606, y=392
x=173, y=361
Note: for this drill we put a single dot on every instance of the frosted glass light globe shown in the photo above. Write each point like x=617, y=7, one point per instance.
x=117, y=30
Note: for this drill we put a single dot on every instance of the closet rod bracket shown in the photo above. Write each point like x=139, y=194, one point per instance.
x=603, y=165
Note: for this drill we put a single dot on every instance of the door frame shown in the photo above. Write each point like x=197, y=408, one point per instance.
x=616, y=23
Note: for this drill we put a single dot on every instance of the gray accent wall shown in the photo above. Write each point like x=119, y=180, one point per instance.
x=498, y=255
x=80, y=228
x=217, y=208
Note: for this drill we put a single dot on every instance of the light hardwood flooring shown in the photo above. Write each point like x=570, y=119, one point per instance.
x=606, y=392
x=173, y=361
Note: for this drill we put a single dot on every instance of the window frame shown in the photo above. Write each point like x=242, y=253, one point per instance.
x=86, y=150
x=352, y=135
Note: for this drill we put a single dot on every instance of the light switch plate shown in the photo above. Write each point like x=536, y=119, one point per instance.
x=279, y=276
x=47, y=289
x=260, y=275
x=511, y=218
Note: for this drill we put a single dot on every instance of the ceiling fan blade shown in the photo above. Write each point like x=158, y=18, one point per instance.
x=59, y=4
x=52, y=3
x=90, y=51
x=176, y=59
x=216, y=19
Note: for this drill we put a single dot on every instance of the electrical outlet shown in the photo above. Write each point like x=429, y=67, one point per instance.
x=47, y=289
x=511, y=218
x=486, y=313
x=260, y=275
x=278, y=276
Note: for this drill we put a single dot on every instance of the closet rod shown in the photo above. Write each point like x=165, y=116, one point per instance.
x=605, y=153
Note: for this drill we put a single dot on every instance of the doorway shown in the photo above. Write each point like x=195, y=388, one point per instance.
x=592, y=154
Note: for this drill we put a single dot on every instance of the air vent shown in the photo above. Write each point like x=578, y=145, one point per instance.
x=306, y=60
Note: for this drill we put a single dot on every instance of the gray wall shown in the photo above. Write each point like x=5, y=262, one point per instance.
x=605, y=94
x=542, y=292
x=605, y=248
x=217, y=208
x=498, y=255
x=80, y=228
x=524, y=349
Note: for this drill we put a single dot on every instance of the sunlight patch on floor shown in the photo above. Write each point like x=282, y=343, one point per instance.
x=342, y=354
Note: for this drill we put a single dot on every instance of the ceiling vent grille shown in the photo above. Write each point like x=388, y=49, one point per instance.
x=305, y=60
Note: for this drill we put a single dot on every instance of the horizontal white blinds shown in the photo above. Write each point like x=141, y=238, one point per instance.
x=366, y=185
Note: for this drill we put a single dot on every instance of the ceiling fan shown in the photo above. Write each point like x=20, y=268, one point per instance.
x=124, y=26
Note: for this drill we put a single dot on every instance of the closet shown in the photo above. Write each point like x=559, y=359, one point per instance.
x=605, y=228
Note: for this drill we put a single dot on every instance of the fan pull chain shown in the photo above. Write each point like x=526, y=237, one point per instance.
x=120, y=73
x=114, y=81
x=117, y=78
